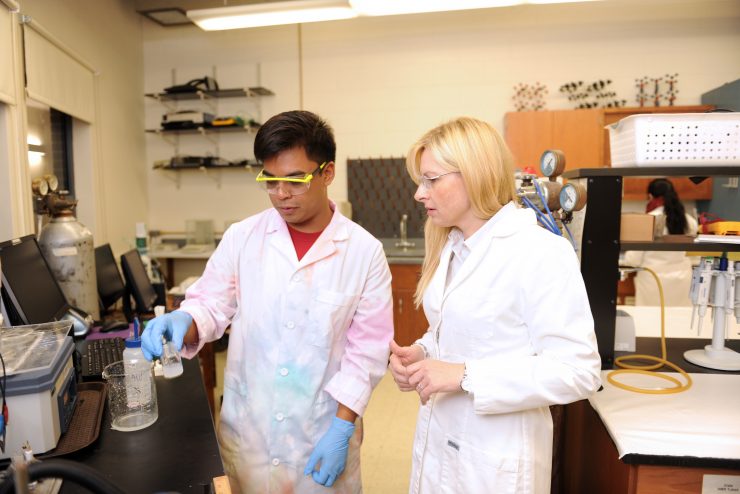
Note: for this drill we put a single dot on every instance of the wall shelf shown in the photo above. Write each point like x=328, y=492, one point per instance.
x=656, y=171
x=209, y=98
x=248, y=92
x=212, y=172
x=204, y=130
x=681, y=246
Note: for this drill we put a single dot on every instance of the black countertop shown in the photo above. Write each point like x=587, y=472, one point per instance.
x=178, y=453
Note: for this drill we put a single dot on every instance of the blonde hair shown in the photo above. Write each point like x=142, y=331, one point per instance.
x=476, y=150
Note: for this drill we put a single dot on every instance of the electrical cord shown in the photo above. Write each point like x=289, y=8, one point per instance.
x=649, y=370
x=67, y=470
x=4, y=410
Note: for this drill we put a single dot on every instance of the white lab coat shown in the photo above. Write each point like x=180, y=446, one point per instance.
x=516, y=313
x=673, y=269
x=304, y=336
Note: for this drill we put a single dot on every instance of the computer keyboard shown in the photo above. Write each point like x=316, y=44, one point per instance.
x=99, y=353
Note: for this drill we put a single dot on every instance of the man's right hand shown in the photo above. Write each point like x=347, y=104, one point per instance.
x=173, y=326
x=402, y=357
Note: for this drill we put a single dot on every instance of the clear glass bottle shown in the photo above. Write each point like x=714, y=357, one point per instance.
x=171, y=361
x=170, y=358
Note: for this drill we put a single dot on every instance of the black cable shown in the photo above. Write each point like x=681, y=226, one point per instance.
x=67, y=470
x=5, y=378
x=2, y=391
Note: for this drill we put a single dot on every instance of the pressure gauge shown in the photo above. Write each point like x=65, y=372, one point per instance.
x=552, y=163
x=39, y=186
x=572, y=197
x=52, y=181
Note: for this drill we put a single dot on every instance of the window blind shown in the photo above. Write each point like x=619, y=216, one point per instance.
x=56, y=77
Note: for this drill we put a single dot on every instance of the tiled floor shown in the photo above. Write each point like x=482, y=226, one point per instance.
x=389, y=434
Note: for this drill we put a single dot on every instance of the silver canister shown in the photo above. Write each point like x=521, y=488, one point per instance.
x=68, y=247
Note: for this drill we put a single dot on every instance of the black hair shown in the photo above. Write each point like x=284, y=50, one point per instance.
x=674, y=211
x=296, y=129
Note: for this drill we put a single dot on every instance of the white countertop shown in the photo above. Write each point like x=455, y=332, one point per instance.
x=181, y=254
x=677, y=323
x=702, y=422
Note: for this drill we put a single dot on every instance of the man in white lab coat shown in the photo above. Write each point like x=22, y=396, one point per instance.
x=510, y=329
x=307, y=294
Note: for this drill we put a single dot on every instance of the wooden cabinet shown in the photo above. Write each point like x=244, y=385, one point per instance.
x=578, y=133
x=409, y=322
x=590, y=462
x=581, y=135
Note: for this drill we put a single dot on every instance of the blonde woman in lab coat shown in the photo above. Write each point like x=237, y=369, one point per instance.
x=307, y=293
x=510, y=333
x=673, y=268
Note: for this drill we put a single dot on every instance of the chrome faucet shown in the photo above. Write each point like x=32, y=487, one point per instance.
x=403, y=227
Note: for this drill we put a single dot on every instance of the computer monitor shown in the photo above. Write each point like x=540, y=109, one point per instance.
x=110, y=284
x=30, y=293
x=138, y=284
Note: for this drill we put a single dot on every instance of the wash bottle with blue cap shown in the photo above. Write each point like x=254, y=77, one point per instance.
x=137, y=370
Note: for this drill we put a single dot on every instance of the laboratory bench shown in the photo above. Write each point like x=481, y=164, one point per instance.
x=622, y=442
x=178, y=453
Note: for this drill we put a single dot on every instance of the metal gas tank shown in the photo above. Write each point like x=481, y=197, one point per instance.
x=68, y=247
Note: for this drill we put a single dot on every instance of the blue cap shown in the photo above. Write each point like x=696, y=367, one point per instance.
x=133, y=343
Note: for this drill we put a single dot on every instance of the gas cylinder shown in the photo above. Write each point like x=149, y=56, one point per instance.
x=68, y=247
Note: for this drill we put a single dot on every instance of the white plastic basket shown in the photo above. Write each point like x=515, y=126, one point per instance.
x=676, y=139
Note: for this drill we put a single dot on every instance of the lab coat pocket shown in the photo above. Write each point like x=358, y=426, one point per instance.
x=233, y=408
x=330, y=315
x=497, y=323
x=466, y=468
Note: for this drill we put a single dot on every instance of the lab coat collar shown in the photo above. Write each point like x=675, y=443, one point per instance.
x=506, y=222
x=509, y=220
x=489, y=228
x=336, y=231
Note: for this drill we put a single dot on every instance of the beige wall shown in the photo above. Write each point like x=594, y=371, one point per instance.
x=108, y=35
x=381, y=82
x=266, y=57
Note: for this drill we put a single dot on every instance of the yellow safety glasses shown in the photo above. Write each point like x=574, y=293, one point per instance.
x=294, y=185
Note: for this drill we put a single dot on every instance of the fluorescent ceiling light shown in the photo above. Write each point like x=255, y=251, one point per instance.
x=542, y=2
x=393, y=7
x=302, y=11
x=271, y=14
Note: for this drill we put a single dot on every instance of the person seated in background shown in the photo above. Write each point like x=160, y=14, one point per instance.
x=673, y=268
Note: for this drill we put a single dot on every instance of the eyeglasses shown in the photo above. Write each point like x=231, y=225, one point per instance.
x=294, y=185
x=428, y=182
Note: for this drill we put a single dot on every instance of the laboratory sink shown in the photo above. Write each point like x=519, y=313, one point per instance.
x=394, y=249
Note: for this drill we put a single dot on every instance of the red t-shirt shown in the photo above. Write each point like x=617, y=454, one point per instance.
x=302, y=241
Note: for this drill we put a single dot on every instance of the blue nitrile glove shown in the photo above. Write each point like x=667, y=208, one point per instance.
x=172, y=326
x=332, y=451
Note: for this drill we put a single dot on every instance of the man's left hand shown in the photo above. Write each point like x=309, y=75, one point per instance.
x=332, y=452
